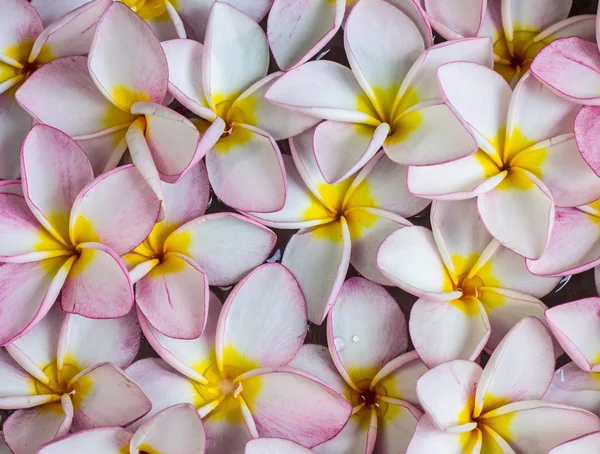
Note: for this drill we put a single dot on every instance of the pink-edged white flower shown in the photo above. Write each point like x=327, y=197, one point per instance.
x=298, y=30
x=518, y=28
x=175, y=430
x=389, y=98
x=367, y=336
x=588, y=444
x=472, y=290
x=187, y=251
x=25, y=45
x=112, y=101
x=340, y=224
x=527, y=163
x=576, y=327
x=274, y=446
x=66, y=234
x=65, y=374
x=236, y=373
x=497, y=409
x=223, y=82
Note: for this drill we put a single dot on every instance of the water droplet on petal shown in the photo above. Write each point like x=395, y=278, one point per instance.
x=339, y=344
x=356, y=338
x=276, y=257
x=564, y=281
x=226, y=289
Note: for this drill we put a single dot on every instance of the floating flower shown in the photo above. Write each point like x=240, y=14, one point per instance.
x=389, y=98
x=472, y=290
x=224, y=83
x=236, y=374
x=187, y=251
x=366, y=334
x=59, y=381
x=340, y=224
x=519, y=29
x=177, y=429
x=25, y=46
x=497, y=409
x=527, y=163
x=118, y=92
x=67, y=232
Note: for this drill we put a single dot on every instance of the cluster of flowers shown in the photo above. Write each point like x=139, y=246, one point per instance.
x=116, y=122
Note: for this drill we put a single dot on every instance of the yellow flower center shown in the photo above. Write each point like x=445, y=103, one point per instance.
x=59, y=380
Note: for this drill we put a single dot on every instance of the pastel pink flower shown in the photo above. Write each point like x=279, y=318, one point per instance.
x=519, y=29
x=388, y=98
x=113, y=101
x=66, y=234
x=497, y=409
x=236, y=373
x=341, y=224
x=471, y=289
x=188, y=251
x=527, y=163
x=367, y=338
x=66, y=375
x=177, y=429
x=25, y=45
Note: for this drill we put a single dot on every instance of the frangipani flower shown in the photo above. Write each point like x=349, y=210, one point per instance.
x=588, y=444
x=576, y=326
x=118, y=91
x=472, y=290
x=187, y=251
x=496, y=410
x=297, y=31
x=274, y=446
x=67, y=232
x=24, y=46
x=366, y=334
x=340, y=224
x=224, y=83
x=389, y=98
x=65, y=375
x=236, y=374
x=527, y=163
x=518, y=28
x=175, y=430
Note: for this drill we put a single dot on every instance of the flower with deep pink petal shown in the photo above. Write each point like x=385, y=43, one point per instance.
x=236, y=373
x=518, y=28
x=67, y=233
x=527, y=163
x=175, y=430
x=65, y=374
x=367, y=338
x=497, y=409
x=25, y=45
x=341, y=224
x=471, y=289
x=389, y=97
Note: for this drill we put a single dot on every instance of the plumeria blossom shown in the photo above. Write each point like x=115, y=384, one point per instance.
x=497, y=409
x=65, y=374
x=471, y=290
x=113, y=100
x=25, y=45
x=297, y=31
x=175, y=430
x=518, y=28
x=389, y=98
x=68, y=232
x=367, y=336
x=527, y=162
x=236, y=373
x=340, y=224
x=223, y=82
x=187, y=251
x=576, y=326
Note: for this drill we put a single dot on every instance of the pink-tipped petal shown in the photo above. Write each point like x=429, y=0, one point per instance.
x=127, y=74
x=365, y=330
x=105, y=440
x=266, y=309
x=98, y=284
x=226, y=246
x=588, y=443
x=188, y=198
x=575, y=387
x=455, y=19
x=586, y=135
x=50, y=11
x=246, y=170
x=274, y=446
x=12, y=134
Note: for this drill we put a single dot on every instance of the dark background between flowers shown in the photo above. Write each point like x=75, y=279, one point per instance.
x=569, y=289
